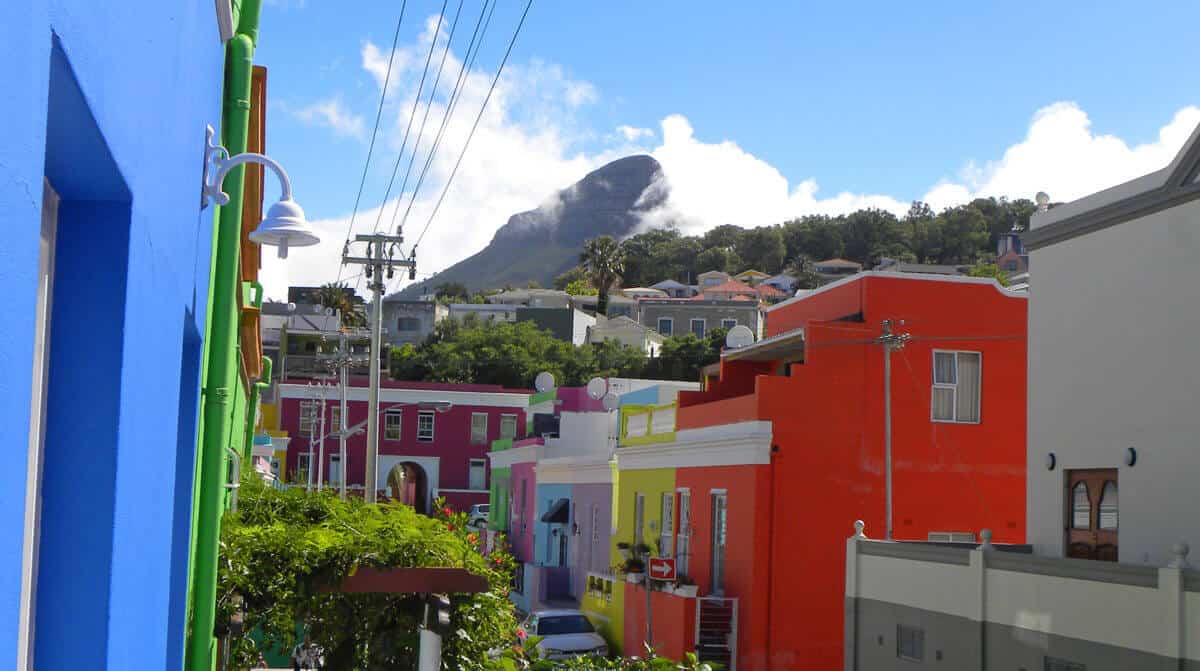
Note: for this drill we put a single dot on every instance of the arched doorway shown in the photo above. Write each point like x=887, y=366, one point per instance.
x=407, y=484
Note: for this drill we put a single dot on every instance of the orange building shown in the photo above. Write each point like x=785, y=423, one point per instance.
x=764, y=528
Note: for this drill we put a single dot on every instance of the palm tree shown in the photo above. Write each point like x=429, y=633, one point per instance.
x=604, y=261
x=336, y=295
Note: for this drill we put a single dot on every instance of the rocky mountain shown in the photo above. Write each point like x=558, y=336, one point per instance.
x=542, y=243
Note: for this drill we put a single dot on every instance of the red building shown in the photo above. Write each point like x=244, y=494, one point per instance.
x=767, y=516
x=433, y=438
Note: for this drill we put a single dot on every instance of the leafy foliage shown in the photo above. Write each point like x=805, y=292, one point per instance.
x=337, y=295
x=580, y=288
x=512, y=354
x=604, y=260
x=282, y=547
x=525, y=657
x=964, y=234
x=990, y=270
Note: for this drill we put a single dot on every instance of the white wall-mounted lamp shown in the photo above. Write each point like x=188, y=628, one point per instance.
x=284, y=226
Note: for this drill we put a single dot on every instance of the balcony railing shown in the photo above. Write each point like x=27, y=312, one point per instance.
x=647, y=424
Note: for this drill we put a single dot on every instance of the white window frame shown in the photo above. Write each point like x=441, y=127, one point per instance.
x=671, y=326
x=728, y=323
x=683, y=530
x=303, y=468
x=666, y=525
x=482, y=440
x=335, y=416
x=387, y=429
x=471, y=466
x=504, y=418
x=423, y=436
x=703, y=326
x=335, y=470
x=308, y=417
x=953, y=387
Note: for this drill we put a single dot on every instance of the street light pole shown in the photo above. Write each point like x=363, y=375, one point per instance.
x=380, y=259
x=342, y=375
x=892, y=342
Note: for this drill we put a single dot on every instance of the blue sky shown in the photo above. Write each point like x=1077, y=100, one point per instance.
x=758, y=111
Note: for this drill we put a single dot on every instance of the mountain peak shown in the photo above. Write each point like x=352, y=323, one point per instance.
x=544, y=242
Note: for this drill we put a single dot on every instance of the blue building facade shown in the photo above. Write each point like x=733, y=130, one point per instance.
x=107, y=257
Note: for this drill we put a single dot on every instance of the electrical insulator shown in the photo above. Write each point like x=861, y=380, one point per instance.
x=390, y=272
x=412, y=273
x=368, y=271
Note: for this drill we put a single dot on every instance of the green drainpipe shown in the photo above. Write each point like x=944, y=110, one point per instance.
x=222, y=373
x=264, y=381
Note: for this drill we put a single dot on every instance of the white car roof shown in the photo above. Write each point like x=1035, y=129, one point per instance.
x=556, y=612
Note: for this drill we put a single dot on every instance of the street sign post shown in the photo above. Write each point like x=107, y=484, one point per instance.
x=661, y=568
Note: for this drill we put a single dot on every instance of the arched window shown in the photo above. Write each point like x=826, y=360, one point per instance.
x=1081, y=507
x=1108, y=506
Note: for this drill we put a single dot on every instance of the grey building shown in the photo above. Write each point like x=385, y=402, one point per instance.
x=675, y=317
x=567, y=324
x=409, y=321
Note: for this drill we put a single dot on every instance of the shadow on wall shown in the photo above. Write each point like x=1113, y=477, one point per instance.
x=84, y=386
x=191, y=350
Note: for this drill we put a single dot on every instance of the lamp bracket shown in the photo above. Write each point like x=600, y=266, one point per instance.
x=218, y=163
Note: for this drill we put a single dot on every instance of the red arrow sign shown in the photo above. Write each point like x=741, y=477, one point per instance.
x=662, y=568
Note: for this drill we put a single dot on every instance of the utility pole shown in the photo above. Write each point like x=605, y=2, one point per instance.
x=342, y=361
x=380, y=259
x=892, y=342
x=321, y=449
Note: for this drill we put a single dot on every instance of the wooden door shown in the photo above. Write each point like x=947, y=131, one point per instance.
x=1092, y=514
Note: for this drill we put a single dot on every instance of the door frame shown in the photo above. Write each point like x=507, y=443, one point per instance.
x=1098, y=541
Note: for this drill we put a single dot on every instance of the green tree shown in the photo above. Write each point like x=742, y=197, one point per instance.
x=816, y=236
x=964, y=234
x=990, y=270
x=452, y=291
x=282, y=548
x=640, y=256
x=872, y=234
x=572, y=275
x=726, y=236
x=717, y=258
x=580, y=287
x=604, y=260
x=337, y=295
x=762, y=249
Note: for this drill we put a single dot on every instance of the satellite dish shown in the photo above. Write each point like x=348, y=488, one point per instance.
x=739, y=336
x=291, y=307
x=611, y=401
x=329, y=312
x=543, y=382
x=597, y=388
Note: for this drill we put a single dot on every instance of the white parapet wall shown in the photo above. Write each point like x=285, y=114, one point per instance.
x=1003, y=608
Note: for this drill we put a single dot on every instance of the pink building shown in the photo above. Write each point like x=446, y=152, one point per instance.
x=433, y=437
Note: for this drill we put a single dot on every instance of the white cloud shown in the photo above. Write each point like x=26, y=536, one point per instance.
x=633, y=134
x=332, y=114
x=528, y=144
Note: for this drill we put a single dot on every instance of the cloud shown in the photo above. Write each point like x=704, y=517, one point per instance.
x=632, y=134
x=534, y=140
x=332, y=114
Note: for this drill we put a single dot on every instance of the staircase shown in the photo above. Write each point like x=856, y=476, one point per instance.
x=716, y=631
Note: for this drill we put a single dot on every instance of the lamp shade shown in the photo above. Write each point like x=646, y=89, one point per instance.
x=283, y=227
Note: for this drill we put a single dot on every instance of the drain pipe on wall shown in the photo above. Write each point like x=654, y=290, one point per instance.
x=222, y=371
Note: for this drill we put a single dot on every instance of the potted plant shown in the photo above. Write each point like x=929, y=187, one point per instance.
x=685, y=586
x=624, y=549
x=634, y=570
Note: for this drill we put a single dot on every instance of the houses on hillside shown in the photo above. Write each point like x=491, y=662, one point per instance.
x=1105, y=582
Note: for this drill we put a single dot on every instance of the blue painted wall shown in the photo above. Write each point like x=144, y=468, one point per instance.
x=545, y=541
x=647, y=396
x=109, y=100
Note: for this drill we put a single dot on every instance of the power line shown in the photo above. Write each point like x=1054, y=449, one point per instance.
x=378, y=115
x=455, y=95
x=416, y=103
x=478, y=117
x=425, y=117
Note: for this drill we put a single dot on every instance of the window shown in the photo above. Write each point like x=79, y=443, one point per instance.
x=719, y=529
x=391, y=425
x=425, y=426
x=518, y=585
x=508, y=426
x=478, y=475
x=667, y=526
x=1081, y=507
x=728, y=323
x=1010, y=265
x=1108, y=505
x=684, y=532
x=910, y=643
x=335, y=418
x=335, y=470
x=697, y=327
x=956, y=387
x=665, y=325
x=408, y=324
x=308, y=417
x=639, y=519
x=478, y=428
x=302, y=469
x=1055, y=664
x=524, y=503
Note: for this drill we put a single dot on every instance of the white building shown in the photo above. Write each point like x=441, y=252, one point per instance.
x=1112, y=465
x=627, y=332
